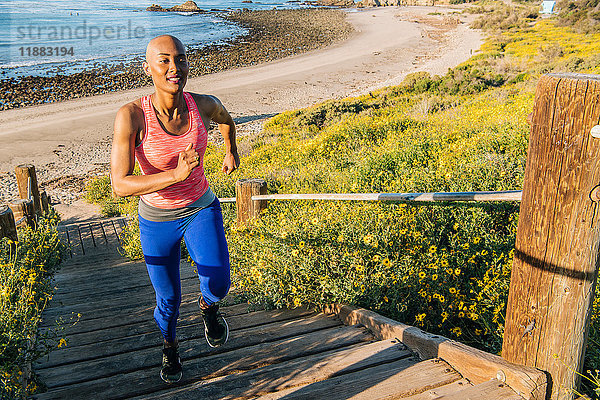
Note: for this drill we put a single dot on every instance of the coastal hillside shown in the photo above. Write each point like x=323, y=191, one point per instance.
x=441, y=267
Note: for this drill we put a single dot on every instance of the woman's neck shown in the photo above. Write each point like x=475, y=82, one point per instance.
x=169, y=105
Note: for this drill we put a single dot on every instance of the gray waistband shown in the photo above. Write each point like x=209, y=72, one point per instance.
x=156, y=214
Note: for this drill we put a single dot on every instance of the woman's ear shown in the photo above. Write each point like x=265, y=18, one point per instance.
x=146, y=68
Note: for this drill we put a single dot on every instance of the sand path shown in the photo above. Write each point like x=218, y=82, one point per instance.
x=73, y=137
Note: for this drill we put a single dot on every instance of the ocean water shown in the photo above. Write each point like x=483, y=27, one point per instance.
x=65, y=36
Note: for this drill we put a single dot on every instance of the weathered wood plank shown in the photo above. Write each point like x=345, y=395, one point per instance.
x=102, y=265
x=556, y=251
x=69, y=265
x=112, y=273
x=99, y=300
x=297, y=372
x=110, y=306
x=396, y=379
x=490, y=390
x=139, y=382
x=121, y=279
x=90, y=331
x=192, y=345
x=278, y=325
x=475, y=365
x=439, y=391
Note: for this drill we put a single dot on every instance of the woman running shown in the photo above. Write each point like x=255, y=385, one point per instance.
x=166, y=133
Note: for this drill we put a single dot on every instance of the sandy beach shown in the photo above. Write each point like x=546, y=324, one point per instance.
x=69, y=140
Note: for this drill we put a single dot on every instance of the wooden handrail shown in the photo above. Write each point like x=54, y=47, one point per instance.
x=507, y=195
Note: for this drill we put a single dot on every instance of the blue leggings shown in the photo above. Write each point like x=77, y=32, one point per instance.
x=205, y=240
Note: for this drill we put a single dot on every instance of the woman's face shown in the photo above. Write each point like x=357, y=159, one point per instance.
x=167, y=64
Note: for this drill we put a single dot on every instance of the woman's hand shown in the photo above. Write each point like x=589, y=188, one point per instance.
x=188, y=160
x=231, y=162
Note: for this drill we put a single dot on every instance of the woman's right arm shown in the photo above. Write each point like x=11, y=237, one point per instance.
x=122, y=160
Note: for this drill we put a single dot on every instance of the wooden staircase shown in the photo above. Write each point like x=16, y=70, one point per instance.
x=114, y=346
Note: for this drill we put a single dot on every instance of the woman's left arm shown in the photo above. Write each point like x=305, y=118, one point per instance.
x=219, y=114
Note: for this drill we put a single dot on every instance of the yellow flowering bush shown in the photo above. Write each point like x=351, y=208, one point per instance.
x=26, y=269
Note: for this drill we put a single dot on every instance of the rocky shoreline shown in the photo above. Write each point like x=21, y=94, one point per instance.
x=272, y=34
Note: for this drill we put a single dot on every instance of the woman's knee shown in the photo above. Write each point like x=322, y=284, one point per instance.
x=215, y=287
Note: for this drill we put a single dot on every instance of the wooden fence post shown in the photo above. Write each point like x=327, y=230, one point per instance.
x=556, y=251
x=26, y=181
x=23, y=208
x=7, y=224
x=246, y=207
x=45, y=201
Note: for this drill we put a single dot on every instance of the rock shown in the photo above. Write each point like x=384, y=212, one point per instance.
x=188, y=6
x=155, y=7
x=336, y=3
x=380, y=3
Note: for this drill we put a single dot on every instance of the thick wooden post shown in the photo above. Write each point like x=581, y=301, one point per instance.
x=23, y=208
x=27, y=181
x=246, y=207
x=7, y=224
x=556, y=252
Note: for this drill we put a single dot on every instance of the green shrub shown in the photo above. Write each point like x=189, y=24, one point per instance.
x=25, y=288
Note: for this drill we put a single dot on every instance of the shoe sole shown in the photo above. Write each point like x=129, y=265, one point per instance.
x=226, y=336
x=169, y=380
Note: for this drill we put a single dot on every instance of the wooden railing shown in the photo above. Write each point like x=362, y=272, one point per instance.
x=27, y=208
x=508, y=195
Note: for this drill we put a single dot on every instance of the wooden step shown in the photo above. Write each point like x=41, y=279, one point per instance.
x=492, y=389
x=263, y=323
x=399, y=378
x=292, y=373
x=127, y=381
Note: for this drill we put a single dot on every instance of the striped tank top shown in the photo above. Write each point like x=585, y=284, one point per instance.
x=159, y=151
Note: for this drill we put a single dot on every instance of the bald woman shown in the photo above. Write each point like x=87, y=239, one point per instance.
x=166, y=132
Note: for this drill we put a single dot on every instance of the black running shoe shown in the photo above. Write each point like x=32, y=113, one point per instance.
x=216, y=329
x=171, y=365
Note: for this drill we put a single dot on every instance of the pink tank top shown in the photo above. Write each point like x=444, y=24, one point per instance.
x=159, y=151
